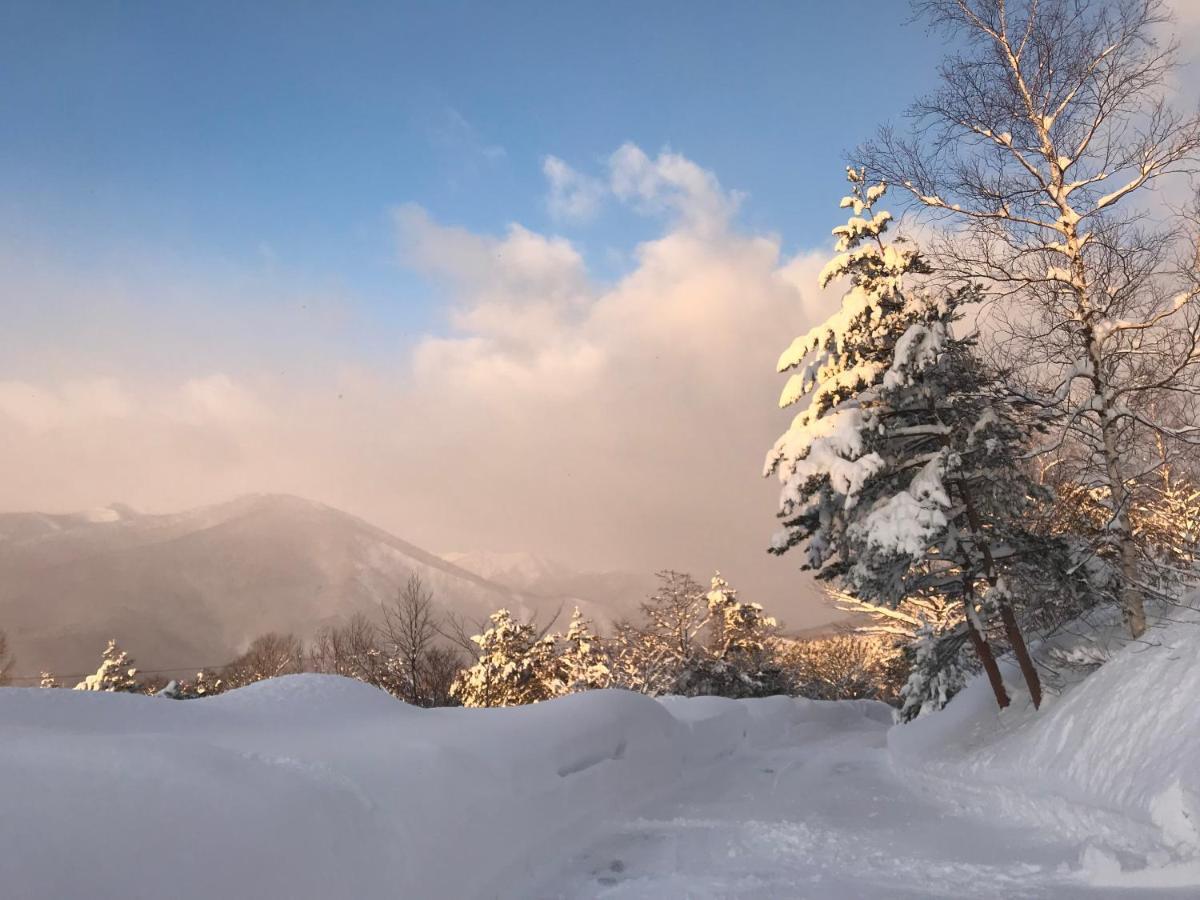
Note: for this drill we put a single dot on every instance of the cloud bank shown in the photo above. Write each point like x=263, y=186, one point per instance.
x=611, y=424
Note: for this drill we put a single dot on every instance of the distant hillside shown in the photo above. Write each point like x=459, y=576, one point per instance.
x=612, y=594
x=193, y=588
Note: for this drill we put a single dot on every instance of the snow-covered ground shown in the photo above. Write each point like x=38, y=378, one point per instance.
x=317, y=787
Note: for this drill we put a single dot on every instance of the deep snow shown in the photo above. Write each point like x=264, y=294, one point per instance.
x=318, y=787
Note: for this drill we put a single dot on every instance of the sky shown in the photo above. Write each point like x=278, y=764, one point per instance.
x=492, y=276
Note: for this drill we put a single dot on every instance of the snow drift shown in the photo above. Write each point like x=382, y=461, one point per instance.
x=1112, y=758
x=318, y=786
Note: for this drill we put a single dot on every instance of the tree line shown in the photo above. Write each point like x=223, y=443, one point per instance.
x=687, y=640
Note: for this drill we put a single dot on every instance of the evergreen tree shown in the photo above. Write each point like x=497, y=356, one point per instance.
x=583, y=662
x=737, y=661
x=515, y=666
x=902, y=477
x=48, y=681
x=740, y=631
x=116, y=672
x=937, y=671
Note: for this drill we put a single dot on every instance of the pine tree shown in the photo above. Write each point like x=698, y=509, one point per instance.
x=740, y=631
x=515, y=666
x=823, y=459
x=116, y=672
x=48, y=681
x=737, y=661
x=937, y=671
x=902, y=477
x=583, y=662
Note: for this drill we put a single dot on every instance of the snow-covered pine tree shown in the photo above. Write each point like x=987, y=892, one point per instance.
x=515, y=666
x=48, y=681
x=823, y=459
x=582, y=660
x=116, y=672
x=902, y=472
x=937, y=670
x=738, y=661
x=739, y=630
x=957, y=525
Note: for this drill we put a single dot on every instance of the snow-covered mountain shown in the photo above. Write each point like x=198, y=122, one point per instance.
x=613, y=594
x=191, y=588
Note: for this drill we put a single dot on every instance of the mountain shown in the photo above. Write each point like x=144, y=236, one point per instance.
x=191, y=589
x=616, y=594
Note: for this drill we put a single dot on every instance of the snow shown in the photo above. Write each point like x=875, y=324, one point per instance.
x=917, y=349
x=904, y=522
x=1111, y=760
x=832, y=445
x=315, y=786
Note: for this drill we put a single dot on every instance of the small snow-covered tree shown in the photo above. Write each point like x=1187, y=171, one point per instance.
x=116, y=672
x=738, y=659
x=204, y=685
x=656, y=655
x=514, y=667
x=583, y=662
x=48, y=681
x=740, y=631
x=938, y=670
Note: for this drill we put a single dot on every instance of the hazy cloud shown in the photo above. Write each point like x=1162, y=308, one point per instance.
x=609, y=424
x=573, y=196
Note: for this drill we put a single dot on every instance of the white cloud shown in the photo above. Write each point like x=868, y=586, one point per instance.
x=671, y=182
x=573, y=197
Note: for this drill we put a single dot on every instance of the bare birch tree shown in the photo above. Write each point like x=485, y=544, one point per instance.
x=1036, y=156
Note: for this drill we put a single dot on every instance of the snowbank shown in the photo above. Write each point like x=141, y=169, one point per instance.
x=317, y=786
x=1115, y=758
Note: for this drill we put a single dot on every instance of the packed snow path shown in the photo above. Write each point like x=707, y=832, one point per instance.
x=820, y=813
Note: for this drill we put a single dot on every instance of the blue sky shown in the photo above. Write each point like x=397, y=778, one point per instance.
x=278, y=135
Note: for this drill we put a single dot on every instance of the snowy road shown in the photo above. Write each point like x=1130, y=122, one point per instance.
x=820, y=814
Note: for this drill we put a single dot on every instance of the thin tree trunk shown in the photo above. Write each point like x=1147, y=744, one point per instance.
x=984, y=652
x=1013, y=630
x=1017, y=640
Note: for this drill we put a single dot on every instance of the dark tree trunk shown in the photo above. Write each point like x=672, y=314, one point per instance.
x=1011, y=629
x=984, y=652
x=1017, y=641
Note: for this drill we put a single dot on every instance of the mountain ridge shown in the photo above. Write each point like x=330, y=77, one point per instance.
x=176, y=589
